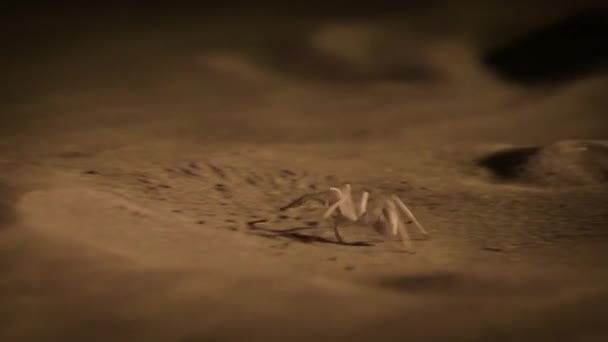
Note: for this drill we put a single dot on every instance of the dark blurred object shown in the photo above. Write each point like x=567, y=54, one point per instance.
x=570, y=49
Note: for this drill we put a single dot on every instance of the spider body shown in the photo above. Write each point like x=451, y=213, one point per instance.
x=388, y=213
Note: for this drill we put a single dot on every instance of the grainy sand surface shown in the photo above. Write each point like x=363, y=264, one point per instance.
x=145, y=208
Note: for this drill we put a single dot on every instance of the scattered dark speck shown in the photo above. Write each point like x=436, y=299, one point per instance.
x=176, y=211
x=311, y=223
x=404, y=182
x=313, y=187
x=331, y=179
x=283, y=216
x=287, y=173
x=221, y=187
x=164, y=186
x=200, y=222
x=143, y=180
x=90, y=172
x=217, y=171
x=492, y=249
x=188, y=172
x=333, y=258
x=230, y=221
x=194, y=165
x=232, y=228
x=349, y=268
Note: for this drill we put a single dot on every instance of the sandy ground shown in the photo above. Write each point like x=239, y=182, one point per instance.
x=128, y=210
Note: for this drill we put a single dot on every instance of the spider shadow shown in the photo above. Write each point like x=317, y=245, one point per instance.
x=295, y=235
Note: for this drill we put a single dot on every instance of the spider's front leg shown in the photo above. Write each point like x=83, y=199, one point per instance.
x=319, y=197
x=337, y=231
x=328, y=213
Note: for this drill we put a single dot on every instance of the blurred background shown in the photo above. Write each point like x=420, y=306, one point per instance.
x=303, y=71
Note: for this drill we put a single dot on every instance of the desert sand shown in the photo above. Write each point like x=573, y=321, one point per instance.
x=142, y=168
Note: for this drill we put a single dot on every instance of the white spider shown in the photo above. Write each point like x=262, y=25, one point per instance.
x=385, y=215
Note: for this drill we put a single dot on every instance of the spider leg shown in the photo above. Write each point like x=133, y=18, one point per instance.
x=405, y=209
x=320, y=197
x=337, y=232
x=397, y=225
x=347, y=188
x=329, y=212
x=393, y=218
x=347, y=206
x=405, y=237
x=363, y=204
x=337, y=191
x=332, y=208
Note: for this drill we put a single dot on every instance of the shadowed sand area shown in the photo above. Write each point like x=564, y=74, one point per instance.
x=142, y=169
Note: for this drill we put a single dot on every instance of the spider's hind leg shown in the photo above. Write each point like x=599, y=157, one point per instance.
x=319, y=197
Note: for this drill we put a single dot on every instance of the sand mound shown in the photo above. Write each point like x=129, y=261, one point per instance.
x=569, y=162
